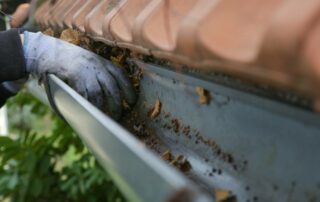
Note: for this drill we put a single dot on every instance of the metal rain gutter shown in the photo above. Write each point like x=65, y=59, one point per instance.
x=258, y=148
x=139, y=174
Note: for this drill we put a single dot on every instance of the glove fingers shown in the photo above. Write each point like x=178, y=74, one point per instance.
x=95, y=94
x=80, y=88
x=111, y=94
x=123, y=82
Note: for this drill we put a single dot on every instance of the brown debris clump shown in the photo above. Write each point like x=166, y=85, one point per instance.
x=156, y=109
x=175, y=125
x=204, y=96
x=167, y=156
x=223, y=196
x=138, y=126
x=118, y=60
x=181, y=163
x=116, y=55
x=75, y=37
x=182, y=195
x=49, y=32
x=71, y=36
x=179, y=128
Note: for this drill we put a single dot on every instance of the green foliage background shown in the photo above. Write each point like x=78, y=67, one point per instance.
x=43, y=160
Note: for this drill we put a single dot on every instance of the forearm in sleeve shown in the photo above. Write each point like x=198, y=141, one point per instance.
x=12, y=63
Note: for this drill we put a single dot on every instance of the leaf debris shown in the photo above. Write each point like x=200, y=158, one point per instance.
x=204, y=96
x=167, y=156
x=71, y=36
x=49, y=32
x=76, y=37
x=222, y=195
x=181, y=163
x=156, y=109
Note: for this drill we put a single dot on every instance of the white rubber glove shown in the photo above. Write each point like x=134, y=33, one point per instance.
x=95, y=78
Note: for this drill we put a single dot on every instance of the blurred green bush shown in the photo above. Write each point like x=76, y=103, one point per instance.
x=43, y=160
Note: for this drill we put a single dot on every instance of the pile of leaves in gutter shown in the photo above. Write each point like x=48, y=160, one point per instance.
x=116, y=55
x=42, y=160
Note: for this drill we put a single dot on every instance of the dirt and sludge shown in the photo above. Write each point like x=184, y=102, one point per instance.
x=138, y=125
x=178, y=128
x=116, y=55
x=141, y=122
x=150, y=121
x=141, y=126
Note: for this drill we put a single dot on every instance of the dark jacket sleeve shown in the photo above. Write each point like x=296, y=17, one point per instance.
x=12, y=62
x=4, y=95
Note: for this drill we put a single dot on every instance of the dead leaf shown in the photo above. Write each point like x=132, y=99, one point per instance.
x=167, y=156
x=49, y=32
x=185, y=166
x=222, y=195
x=204, y=96
x=118, y=60
x=125, y=105
x=71, y=36
x=181, y=163
x=155, y=111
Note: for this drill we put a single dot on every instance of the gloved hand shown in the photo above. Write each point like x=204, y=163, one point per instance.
x=94, y=77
